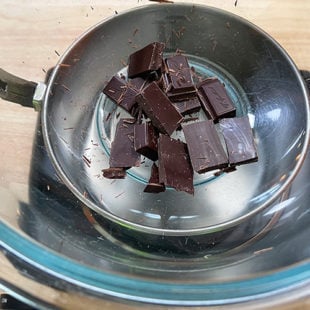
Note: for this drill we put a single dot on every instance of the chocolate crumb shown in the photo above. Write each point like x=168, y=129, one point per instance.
x=114, y=173
x=119, y=194
x=86, y=160
x=108, y=116
x=135, y=32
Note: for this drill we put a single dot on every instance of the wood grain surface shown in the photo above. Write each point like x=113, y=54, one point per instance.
x=34, y=33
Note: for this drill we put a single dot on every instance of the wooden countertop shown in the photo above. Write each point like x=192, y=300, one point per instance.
x=34, y=33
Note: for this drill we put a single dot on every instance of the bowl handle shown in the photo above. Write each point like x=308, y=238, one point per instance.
x=15, y=89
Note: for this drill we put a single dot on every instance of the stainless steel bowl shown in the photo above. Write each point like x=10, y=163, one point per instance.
x=259, y=76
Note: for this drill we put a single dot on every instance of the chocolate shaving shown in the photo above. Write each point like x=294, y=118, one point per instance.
x=86, y=160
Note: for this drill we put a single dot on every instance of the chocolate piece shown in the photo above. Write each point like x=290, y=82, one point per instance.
x=146, y=60
x=175, y=169
x=159, y=108
x=138, y=83
x=178, y=81
x=239, y=140
x=123, y=154
x=204, y=146
x=215, y=100
x=188, y=106
x=119, y=91
x=114, y=173
x=154, y=186
x=145, y=140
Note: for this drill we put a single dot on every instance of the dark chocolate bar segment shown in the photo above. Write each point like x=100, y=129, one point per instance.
x=215, y=100
x=138, y=83
x=146, y=60
x=204, y=146
x=119, y=91
x=154, y=186
x=123, y=154
x=175, y=169
x=188, y=106
x=178, y=79
x=145, y=140
x=239, y=140
x=157, y=106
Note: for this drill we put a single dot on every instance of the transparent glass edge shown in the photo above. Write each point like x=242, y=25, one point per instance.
x=146, y=291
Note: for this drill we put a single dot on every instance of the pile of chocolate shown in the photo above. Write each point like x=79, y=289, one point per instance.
x=160, y=95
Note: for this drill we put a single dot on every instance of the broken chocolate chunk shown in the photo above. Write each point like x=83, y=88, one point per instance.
x=175, y=169
x=114, y=173
x=204, y=146
x=154, y=186
x=188, y=106
x=239, y=140
x=145, y=140
x=146, y=60
x=215, y=100
x=138, y=83
x=157, y=106
x=123, y=154
x=119, y=91
x=178, y=81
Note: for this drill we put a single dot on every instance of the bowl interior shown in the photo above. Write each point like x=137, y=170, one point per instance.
x=260, y=78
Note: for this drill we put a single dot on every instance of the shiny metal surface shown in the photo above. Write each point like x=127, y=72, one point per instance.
x=39, y=96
